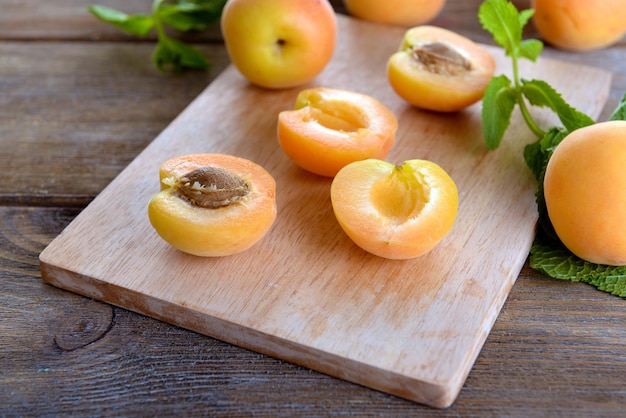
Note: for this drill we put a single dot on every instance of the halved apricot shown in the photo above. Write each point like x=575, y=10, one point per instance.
x=213, y=204
x=330, y=128
x=437, y=69
x=395, y=211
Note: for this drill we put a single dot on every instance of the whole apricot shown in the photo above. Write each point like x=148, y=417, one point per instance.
x=329, y=128
x=395, y=12
x=585, y=192
x=437, y=69
x=395, y=211
x=213, y=204
x=279, y=43
x=580, y=25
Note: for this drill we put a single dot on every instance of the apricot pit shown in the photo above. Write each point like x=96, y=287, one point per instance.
x=213, y=204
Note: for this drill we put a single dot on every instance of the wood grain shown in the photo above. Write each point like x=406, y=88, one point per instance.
x=556, y=348
x=412, y=329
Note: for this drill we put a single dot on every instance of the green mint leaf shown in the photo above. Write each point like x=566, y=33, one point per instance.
x=530, y=49
x=188, y=15
x=139, y=25
x=540, y=93
x=552, y=258
x=536, y=156
x=620, y=111
x=172, y=55
x=503, y=21
x=497, y=107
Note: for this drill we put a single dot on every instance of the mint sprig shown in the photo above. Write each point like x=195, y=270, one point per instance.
x=548, y=254
x=170, y=54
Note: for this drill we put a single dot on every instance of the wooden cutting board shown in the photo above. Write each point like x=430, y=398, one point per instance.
x=306, y=293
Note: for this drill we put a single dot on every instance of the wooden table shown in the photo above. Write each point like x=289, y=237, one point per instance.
x=79, y=100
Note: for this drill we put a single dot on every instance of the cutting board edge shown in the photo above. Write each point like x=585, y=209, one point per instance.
x=434, y=394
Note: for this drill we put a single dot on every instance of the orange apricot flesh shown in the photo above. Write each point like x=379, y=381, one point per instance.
x=244, y=212
x=437, y=69
x=585, y=192
x=580, y=25
x=395, y=211
x=330, y=128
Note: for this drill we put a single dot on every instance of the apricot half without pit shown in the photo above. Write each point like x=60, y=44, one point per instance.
x=213, y=204
x=437, y=69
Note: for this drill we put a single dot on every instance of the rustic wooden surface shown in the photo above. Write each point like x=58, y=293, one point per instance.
x=79, y=101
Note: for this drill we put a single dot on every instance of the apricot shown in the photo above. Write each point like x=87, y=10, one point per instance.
x=437, y=69
x=580, y=25
x=585, y=192
x=213, y=204
x=395, y=211
x=279, y=43
x=395, y=12
x=330, y=128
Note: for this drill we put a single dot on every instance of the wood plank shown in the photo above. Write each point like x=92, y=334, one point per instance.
x=67, y=128
x=346, y=316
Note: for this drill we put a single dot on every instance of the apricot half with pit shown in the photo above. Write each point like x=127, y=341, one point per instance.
x=585, y=192
x=395, y=211
x=213, y=204
x=437, y=69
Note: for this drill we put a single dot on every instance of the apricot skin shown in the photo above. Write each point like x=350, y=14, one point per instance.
x=585, y=192
x=213, y=232
x=395, y=212
x=395, y=12
x=443, y=91
x=580, y=25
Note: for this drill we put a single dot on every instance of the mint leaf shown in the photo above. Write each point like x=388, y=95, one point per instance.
x=620, y=111
x=498, y=104
x=530, y=49
x=540, y=93
x=552, y=258
x=503, y=21
x=187, y=15
x=139, y=25
x=536, y=156
x=172, y=55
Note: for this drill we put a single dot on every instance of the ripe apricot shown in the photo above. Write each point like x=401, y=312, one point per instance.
x=395, y=12
x=279, y=43
x=580, y=25
x=394, y=211
x=330, y=128
x=437, y=69
x=585, y=192
x=213, y=204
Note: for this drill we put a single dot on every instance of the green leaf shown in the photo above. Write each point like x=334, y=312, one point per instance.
x=540, y=93
x=503, y=21
x=536, y=156
x=498, y=104
x=552, y=258
x=172, y=55
x=139, y=24
x=530, y=49
x=186, y=15
x=620, y=111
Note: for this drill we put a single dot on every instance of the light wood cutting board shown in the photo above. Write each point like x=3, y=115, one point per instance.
x=306, y=293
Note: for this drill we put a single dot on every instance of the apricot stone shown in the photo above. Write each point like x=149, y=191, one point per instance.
x=585, y=192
